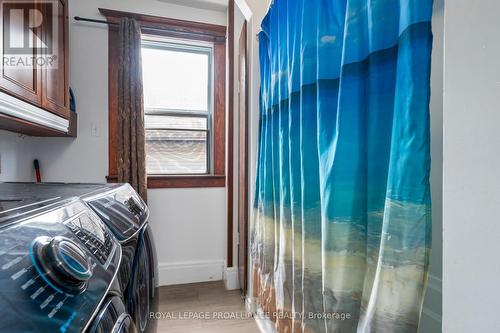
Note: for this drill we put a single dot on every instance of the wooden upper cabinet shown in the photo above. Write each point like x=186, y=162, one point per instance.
x=55, y=79
x=45, y=86
x=20, y=81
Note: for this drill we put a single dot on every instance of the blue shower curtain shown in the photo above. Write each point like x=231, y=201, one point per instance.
x=342, y=230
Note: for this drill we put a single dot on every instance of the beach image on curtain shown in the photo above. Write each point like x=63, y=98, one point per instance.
x=341, y=237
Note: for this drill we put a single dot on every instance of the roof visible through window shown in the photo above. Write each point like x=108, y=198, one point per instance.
x=177, y=98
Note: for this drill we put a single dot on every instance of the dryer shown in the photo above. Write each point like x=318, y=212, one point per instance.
x=122, y=209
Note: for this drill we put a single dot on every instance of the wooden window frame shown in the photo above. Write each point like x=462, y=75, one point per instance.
x=167, y=27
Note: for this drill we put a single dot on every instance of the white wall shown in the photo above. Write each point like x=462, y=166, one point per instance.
x=471, y=272
x=16, y=157
x=190, y=235
x=189, y=224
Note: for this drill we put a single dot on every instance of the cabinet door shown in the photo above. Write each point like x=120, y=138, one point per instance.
x=55, y=78
x=18, y=80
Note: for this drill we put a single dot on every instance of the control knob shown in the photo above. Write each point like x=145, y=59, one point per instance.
x=62, y=262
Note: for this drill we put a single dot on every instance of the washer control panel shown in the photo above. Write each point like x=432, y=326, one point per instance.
x=93, y=234
x=52, y=278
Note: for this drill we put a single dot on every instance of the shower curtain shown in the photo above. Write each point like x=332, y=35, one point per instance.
x=342, y=230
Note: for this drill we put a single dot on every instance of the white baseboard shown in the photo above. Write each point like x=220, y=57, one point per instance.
x=231, y=279
x=190, y=272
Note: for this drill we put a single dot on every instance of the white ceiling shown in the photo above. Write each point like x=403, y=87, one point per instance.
x=218, y=5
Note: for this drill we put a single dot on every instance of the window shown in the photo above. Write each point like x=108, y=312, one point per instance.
x=178, y=94
x=184, y=77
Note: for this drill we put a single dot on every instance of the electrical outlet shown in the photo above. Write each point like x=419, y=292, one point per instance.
x=95, y=130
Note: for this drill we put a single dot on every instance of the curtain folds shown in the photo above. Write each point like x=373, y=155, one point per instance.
x=131, y=134
x=342, y=230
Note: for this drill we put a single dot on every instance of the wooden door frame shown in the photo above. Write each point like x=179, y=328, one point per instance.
x=243, y=156
x=230, y=134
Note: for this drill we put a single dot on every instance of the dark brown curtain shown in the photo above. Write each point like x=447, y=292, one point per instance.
x=131, y=137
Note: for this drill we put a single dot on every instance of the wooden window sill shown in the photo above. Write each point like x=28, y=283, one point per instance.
x=184, y=181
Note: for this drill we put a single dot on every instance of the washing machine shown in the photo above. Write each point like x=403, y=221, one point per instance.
x=126, y=217
x=59, y=267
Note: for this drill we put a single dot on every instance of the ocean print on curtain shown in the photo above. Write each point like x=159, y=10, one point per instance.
x=342, y=233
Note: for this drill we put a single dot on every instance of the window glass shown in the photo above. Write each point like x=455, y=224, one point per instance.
x=177, y=83
x=175, y=80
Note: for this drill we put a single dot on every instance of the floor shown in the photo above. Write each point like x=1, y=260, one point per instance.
x=203, y=307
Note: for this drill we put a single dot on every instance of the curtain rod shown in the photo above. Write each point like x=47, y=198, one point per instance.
x=187, y=33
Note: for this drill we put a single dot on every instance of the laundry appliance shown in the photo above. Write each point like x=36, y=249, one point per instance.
x=76, y=258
